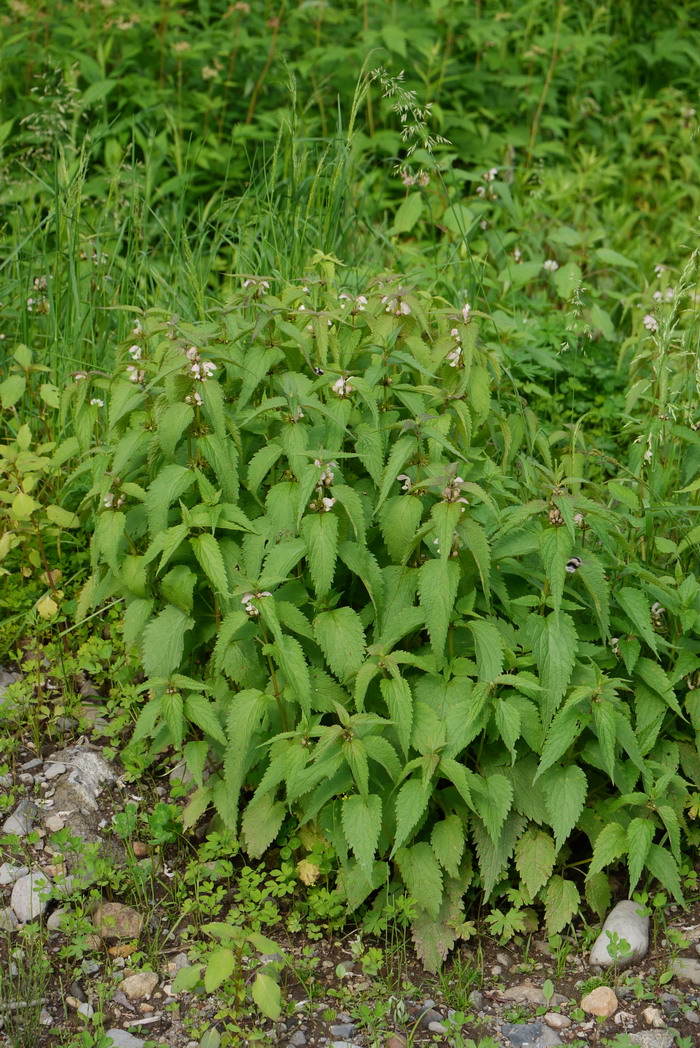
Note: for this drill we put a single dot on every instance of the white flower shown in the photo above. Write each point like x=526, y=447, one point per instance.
x=138, y=328
x=108, y=500
x=517, y=255
x=341, y=387
x=466, y=310
x=396, y=305
x=454, y=356
x=658, y=296
x=260, y=286
x=97, y=403
x=490, y=175
x=650, y=323
x=208, y=369
x=328, y=504
x=659, y=269
x=192, y=353
x=483, y=224
x=406, y=486
x=551, y=265
x=481, y=190
x=80, y=375
x=134, y=374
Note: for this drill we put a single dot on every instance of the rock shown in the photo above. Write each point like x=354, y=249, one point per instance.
x=85, y=1009
x=52, y=769
x=298, y=1038
x=428, y=1016
x=86, y=765
x=139, y=985
x=9, y=874
x=476, y=999
x=53, y=921
x=123, y=1039
x=342, y=1044
x=626, y=921
x=653, y=1017
x=543, y=949
x=557, y=1021
x=530, y=1035
x=113, y=920
x=8, y=919
x=526, y=993
x=343, y=1030
x=692, y=1016
x=54, y=823
x=686, y=969
x=437, y=1028
x=395, y=1041
x=504, y=959
x=20, y=822
x=496, y=969
x=29, y=896
x=601, y=1001
x=653, y=1039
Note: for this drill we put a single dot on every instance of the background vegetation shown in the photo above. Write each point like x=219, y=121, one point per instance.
x=344, y=372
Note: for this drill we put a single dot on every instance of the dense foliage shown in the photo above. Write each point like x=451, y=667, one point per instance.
x=382, y=421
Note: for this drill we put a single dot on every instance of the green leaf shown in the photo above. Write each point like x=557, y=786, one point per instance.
x=168, y=485
x=565, y=795
x=661, y=864
x=555, y=550
x=566, y=279
x=320, y=531
x=397, y=694
x=107, y=538
x=400, y=454
x=636, y=607
x=12, y=390
x=261, y=464
x=220, y=965
x=267, y=996
x=262, y=821
x=508, y=722
x=163, y=641
x=351, y=502
x=437, y=589
x=489, y=646
x=342, y=640
x=554, y=645
x=411, y=802
x=178, y=587
x=434, y=937
x=172, y=424
x=605, y=718
x=200, y=711
x=493, y=799
x=63, y=518
x=535, y=855
x=478, y=545
x=410, y=209
x=592, y=574
x=136, y=616
x=446, y=516
x=187, y=978
x=561, y=903
x=448, y=839
x=608, y=257
x=173, y=714
x=672, y=826
x=210, y=1039
x=244, y=722
x=421, y=874
x=609, y=845
x=208, y=554
x=598, y=894
x=399, y=518
x=362, y=819
x=493, y=856
x=289, y=654
x=640, y=834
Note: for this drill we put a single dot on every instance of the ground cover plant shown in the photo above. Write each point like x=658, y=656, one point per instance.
x=349, y=377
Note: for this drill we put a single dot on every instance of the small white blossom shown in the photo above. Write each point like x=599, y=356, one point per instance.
x=650, y=323
x=490, y=175
x=259, y=286
x=466, y=310
x=406, y=486
x=659, y=269
x=80, y=375
x=138, y=328
x=192, y=353
x=108, y=500
x=341, y=387
x=135, y=352
x=134, y=374
x=517, y=255
x=551, y=265
x=97, y=403
x=483, y=224
x=454, y=356
x=328, y=504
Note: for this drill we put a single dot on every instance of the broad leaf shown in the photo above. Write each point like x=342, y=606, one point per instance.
x=437, y=588
x=342, y=640
x=421, y=874
x=362, y=818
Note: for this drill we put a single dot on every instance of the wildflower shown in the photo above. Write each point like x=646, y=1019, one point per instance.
x=341, y=387
x=481, y=190
x=659, y=269
x=108, y=500
x=247, y=601
x=396, y=305
x=650, y=323
x=134, y=374
x=453, y=491
x=259, y=286
x=138, y=329
x=210, y=73
x=135, y=352
x=517, y=255
x=407, y=178
x=454, y=356
x=551, y=265
x=97, y=403
x=466, y=310
x=490, y=175
x=194, y=398
x=328, y=504
x=406, y=486
x=208, y=369
x=483, y=224
x=359, y=304
x=615, y=645
x=192, y=353
x=423, y=178
x=80, y=375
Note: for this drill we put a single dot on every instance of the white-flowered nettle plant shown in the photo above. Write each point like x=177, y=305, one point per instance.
x=369, y=597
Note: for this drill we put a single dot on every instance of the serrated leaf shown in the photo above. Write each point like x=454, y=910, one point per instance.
x=136, y=616
x=200, y=711
x=411, y=802
x=61, y=517
x=478, y=545
x=605, y=720
x=289, y=654
x=178, y=587
x=261, y=464
x=636, y=607
x=493, y=799
x=421, y=874
x=12, y=390
x=555, y=550
x=446, y=516
x=640, y=834
x=172, y=711
x=107, y=538
x=672, y=826
x=488, y=644
x=163, y=641
x=399, y=519
x=362, y=818
x=508, y=722
x=562, y=901
x=437, y=589
x=448, y=840
x=261, y=823
x=243, y=724
x=172, y=424
x=661, y=864
x=342, y=640
x=320, y=531
x=169, y=484
x=592, y=575
x=398, y=457
x=493, y=856
x=399, y=700
x=565, y=795
x=535, y=855
x=220, y=965
x=554, y=645
x=266, y=994
x=434, y=937
x=609, y=845
x=351, y=502
x=598, y=894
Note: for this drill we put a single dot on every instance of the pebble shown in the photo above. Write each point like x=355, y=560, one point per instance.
x=504, y=959
x=54, y=823
x=625, y=920
x=395, y=1041
x=139, y=985
x=496, y=969
x=530, y=1035
x=601, y=1001
x=298, y=1038
x=343, y=1030
x=52, y=769
x=437, y=1028
x=123, y=1039
x=653, y=1017
x=476, y=999
x=6, y=782
x=86, y=1010
x=526, y=993
x=343, y=1044
x=654, y=1039
x=29, y=896
x=429, y=1015
x=9, y=874
x=692, y=1016
x=20, y=822
x=113, y=920
x=686, y=969
x=557, y=1021
x=8, y=919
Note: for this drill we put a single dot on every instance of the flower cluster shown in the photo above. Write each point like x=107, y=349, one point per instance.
x=327, y=476
x=455, y=355
x=395, y=304
x=359, y=304
x=406, y=486
x=135, y=375
x=342, y=388
x=112, y=501
x=247, y=602
x=551, y=265
x=422, y=178
x=201, y=370
x=97, y=403
x=650, y=323
x=667, y=295
x=487, y=191
x=40, y=303
x=453, y=492
x=260, y=287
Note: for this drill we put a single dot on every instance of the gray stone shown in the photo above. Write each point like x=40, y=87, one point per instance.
x=343, y=1030
x=437, y=1028
x=52, y=769
x=526, y=993
x=114, y=920
x=629, y=924
x=28, y=898
x=20, y=822
x=653, y=1039
x=298, y=1039
x=35, y=762
x=9, y=874
x=476, y=999
x=139, y=985
x=85, y=1009
x=123, y=1039
x=6, y=782
x=53, y=921
x=428, y=1016
x=530, y=1035
x=343, y=1044
x=8, y=919
x=686, y=969
x=692, y=1016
